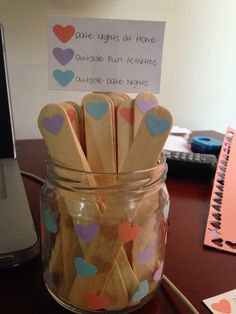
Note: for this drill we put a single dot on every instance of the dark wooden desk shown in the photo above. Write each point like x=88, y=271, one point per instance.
x=197, y=271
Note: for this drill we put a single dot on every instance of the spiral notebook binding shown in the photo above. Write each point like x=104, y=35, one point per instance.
x=220, y=232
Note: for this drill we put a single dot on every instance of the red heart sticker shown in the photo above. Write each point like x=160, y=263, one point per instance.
x=71, y=114
x=95, y=302
x=223, y=306
x=127, y=232
x=64, y=33
x=127, y=114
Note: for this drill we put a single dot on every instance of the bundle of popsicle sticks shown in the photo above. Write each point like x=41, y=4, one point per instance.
x=108, y=256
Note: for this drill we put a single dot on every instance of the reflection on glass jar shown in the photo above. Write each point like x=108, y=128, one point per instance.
x=103, y=237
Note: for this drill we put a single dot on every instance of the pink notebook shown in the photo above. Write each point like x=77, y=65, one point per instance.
x=221, y=225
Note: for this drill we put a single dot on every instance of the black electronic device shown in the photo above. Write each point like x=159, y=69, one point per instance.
x=191, y=165
x=18, y=236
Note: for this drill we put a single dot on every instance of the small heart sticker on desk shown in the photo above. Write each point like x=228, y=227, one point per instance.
x=223, y=306
x=224, y=303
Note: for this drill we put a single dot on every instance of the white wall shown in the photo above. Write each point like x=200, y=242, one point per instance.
x=198, y=81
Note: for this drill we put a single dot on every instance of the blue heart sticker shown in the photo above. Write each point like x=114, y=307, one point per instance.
x=83, y=268
x=142, y=291
x=49, y=222
x=156, y=125
x=63, y=78
x=97, y=111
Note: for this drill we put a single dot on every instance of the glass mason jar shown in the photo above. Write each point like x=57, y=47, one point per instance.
x=103, y=237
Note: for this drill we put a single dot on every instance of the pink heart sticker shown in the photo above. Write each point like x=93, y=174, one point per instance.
x=127, y=233
x=71, y=114
x=96, y=302
x=158, y=272
x=223, y=306
x=127, y=114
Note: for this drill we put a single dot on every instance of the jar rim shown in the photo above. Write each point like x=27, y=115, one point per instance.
x=64, y=177
x=53, y=162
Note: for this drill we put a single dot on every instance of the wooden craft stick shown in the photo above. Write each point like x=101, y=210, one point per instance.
x=63, y=145
x=80, y=119
x=145, y=246
x=148, y=252
x=70, y=248
x=125, y=129
x=61, y=140
x=105, y=127
x=100, y=132
x=124, y=121
x=149, y=140
x=115, y=100
x=115, y=289
x=149, y=246
x=142, y=104
x=119, y=98
x=157, y=123
x=72, y=110
x=131, y=282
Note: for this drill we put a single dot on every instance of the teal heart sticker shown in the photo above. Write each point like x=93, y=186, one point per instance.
x=83, y=268
x=63, y=78
x=97, y=111
x=142, y=291
x=49, y=222
x=156, y=125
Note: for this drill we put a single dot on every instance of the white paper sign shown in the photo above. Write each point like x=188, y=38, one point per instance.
x=222, y=303
x=88, y=54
